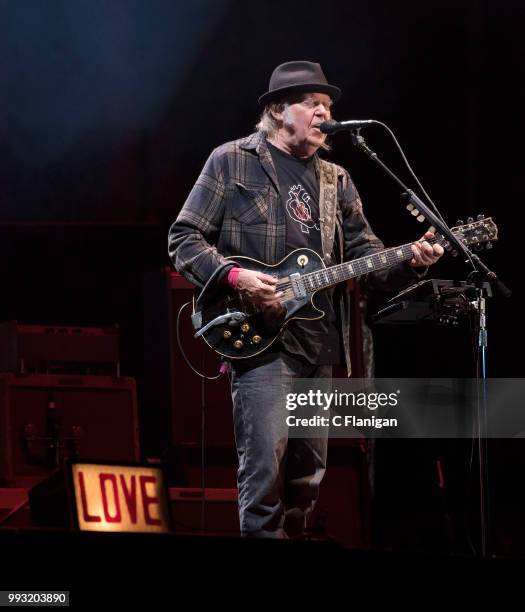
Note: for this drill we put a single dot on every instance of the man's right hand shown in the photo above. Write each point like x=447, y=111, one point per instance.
x=259, y=289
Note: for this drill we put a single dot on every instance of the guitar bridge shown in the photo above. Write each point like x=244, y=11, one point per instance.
x=298, y=288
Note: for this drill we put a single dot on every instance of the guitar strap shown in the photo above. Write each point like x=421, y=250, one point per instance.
x=327, y=216
x=327, y=207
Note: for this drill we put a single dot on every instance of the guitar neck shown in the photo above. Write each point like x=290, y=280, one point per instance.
x=328, y=277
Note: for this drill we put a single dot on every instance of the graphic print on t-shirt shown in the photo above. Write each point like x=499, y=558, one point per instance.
x=299, y=210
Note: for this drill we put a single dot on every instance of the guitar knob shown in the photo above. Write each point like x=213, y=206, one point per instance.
x=226, y=334
x=480, y=217
x=470, y=220
x=256, y=339
x=238, y=344
x=245, y=327
x=459, y=222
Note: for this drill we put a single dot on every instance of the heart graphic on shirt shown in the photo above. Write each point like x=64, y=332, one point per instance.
x=298, y=208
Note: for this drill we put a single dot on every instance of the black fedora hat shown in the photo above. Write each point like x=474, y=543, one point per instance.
x=298, y=77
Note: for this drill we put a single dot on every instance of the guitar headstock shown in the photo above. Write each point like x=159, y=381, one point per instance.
x=479, y=234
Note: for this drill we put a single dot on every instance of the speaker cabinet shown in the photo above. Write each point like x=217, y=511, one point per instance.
x=45, y=419
x=173, y=393
x=221, y=515
x=342, y=512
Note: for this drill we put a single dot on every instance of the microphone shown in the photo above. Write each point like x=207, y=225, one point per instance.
x=331, y=127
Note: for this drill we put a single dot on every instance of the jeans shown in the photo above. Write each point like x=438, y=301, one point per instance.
x=278, y=478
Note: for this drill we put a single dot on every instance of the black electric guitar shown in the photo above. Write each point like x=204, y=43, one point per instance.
x=236, y=329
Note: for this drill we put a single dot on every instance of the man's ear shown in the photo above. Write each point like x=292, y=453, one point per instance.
x=277, y=115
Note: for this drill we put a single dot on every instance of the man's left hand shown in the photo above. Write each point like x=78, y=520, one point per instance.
x=424, y=253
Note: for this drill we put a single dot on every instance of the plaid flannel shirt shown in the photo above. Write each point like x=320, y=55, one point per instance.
x=234, y=208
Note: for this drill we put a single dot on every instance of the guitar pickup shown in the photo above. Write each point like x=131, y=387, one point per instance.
x=298, y=288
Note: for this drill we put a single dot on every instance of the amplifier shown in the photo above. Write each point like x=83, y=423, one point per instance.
x=172, y=393
x=221, y=510
x=28, y=348
x=45, y=419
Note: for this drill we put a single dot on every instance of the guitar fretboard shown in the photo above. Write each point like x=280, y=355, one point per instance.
x=321, y=279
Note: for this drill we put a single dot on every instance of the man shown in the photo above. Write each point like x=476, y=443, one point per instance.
x=264, y=196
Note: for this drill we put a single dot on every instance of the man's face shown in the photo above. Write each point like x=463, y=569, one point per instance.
x=301, y=120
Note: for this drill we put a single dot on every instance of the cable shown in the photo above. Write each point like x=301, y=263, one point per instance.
x=403, y=156
x=203, y=416
x=413, y=174
x=182, y=350
x=203, y=455
x=15, y=510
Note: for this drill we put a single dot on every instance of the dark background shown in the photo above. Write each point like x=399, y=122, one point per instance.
x=108, y=111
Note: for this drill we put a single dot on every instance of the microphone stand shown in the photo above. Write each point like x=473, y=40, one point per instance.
x=481, y=271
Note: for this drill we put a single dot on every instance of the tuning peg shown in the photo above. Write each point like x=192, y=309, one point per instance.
x=480, y=217
x=410, y=207
x=414, y=212
x=454, y=253
x=432, y=229
x=421, y=218
x=459, y=222
x=470, y=220
x=488, y=246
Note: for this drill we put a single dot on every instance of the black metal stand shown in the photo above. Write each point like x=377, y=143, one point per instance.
x=481, y=398
x=482, y=272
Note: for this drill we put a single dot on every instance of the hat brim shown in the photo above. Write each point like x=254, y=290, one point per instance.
x=271, y=96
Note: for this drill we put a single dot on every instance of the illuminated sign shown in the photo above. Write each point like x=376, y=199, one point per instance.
x=120, y=498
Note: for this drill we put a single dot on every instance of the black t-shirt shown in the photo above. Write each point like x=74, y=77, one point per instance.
x=318, y=342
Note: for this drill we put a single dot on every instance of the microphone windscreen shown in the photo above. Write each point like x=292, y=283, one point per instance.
x=329, y=127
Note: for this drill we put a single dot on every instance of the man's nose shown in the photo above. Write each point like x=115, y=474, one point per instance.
x=322, y=111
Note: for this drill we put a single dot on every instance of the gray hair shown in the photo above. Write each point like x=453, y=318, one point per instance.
x=267, y=122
